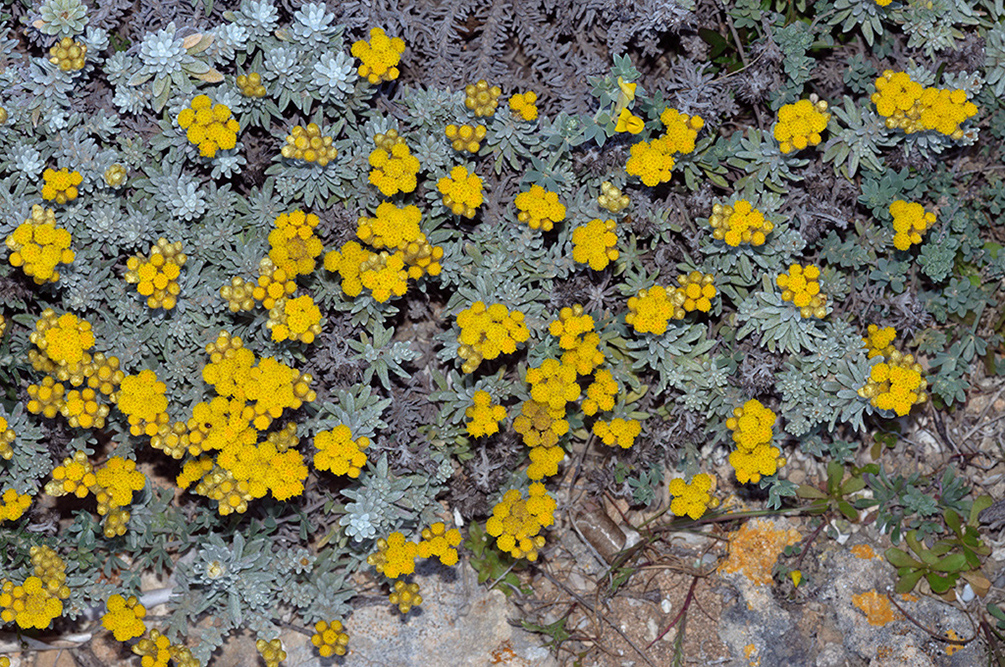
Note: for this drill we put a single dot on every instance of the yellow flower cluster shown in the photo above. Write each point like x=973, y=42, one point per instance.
x=392, y=227
x=595, y=243
x=39, y=600
x=653, y=161
x=754, y=456
x=394, y=167
x=487, y=332
x=293, y=246
x=75, y=475
x=908, y=106
x=516, y=522
x=692, y=498
x=524, y=105
x=611, y=198
x=800, y=286
x=115, y=176
x=800, y=124
x=239, y=294
x=462, y=192
x=651, y=310
x=484, y=415
x=7, y=436
x=115, y=483
x=482, y=98
x=910, y=221
x=380, y=56
x=209, y=126
x=896, y=382
x=618, y=431
x=274, y=284
x=64, y=340
x=539, y=209
x=576, y=336
x=465, y=137
x=600, y=394
x=330, y=638
x=156, y=275
x=541, y=426
x=339, y=453
x=879, y=342
x=38, y=245
x=346, y=262
x=68, y=55
x=440, y=542
x=739, y=223
x=405, y=596
x=124, y=617
x=384, y=275
x=142, y=399
x=308, y=144
x=13, y=505
x=82, y=410
x=250, y=85
x=295, y=319
x=553, y=383
x=155, y=650
x=271, y=651
x=395, y=556
x=60, y=186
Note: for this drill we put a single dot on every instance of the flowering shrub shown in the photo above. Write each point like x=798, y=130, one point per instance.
x=38, y=246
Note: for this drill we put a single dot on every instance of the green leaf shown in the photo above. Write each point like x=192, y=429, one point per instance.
x=900, y=558
x=941, y=583
x=951, y=563
x=981, y=503
x=851, y=485
x=996, y=611
x=846, y=508
x=907, y=582
x=953, y=521
x=807, y=491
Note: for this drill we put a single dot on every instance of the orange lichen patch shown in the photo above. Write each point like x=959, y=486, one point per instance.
x=863, y=551
x=877, y=609
x=754, y=548
x=884, y=652
x=908, y=597
x=748, y=651
x=953, y=648
x=503, y=654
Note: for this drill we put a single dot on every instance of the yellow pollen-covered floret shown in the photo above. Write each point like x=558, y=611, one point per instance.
x=739, y=223
x=595, y=243
x=462, y=191
x=524, y=105
x=395, y=556
x=553, y=383
x=801, y=286
x=142, y=399
x=394, y=168
x=440, y=542
x=60, y=186
x=379, y=57
x=274, y=283
x=339, y=453
x=481, y=98
x=156, y=275
x=653, y=161
x=330, y=638
x=295, y=319
x=541, y=426
x=293, y=246
x=68, y=55
x=487, y=332
x=908, y=106
x=465, y=137
x=896, y=383
x=208, y=126
x=516, y=522
x=799, y=124
x=124, y=617
x=754, y=456
x=692, y=498
x=539, y=209
x=600, y=394
x=250, y=84
x=910, y=221
x=309, y=145
x=405, y=596
x=38, y=246
x=484, y=415
x=618, y=431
